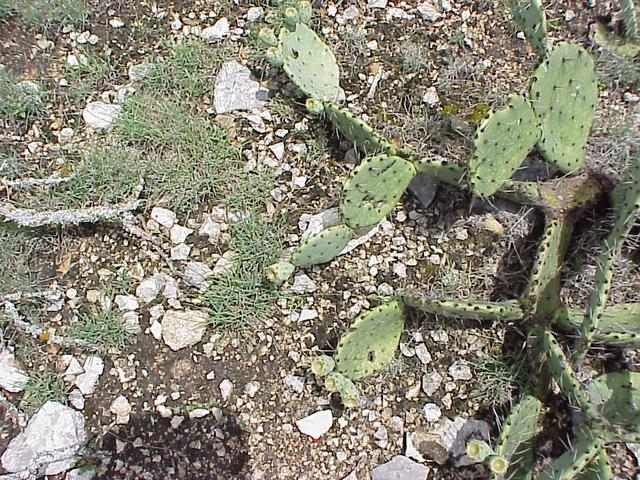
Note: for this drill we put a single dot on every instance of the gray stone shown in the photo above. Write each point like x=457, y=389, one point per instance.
x=139, y=71
x=196, y=273
x=163, y=216
x=303, y=284
x=121, y=408
x=255, y=13
x=424, y=187
x=52, y=438
x=226, y=387
x=12, y=377
x=149, y=289
x=127, y=303
x=179, y=234
x=460, y=370
x=93, y=368
x=431, y=382
x=472, y=429
x=435, y=444
x=400, y=468
x=236, y=89
x=429, y=11
x=182, y=329
x=100, y=115
x=218, y=31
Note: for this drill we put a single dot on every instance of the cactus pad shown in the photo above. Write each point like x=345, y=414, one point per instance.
x=322, y=247
x=530, y=17
x=543, y=292
x=371, y=341
x=562, y=372
x=322, y=365
x=310, y=64
x=615, y=398
x=447, y=172
x=374, y=188
x=363, y=137
x=279, y=272
x=501, y=143
x=507, y=310
x=599, y=469
x=563, y=94
x=569, y=465
x=516, y=436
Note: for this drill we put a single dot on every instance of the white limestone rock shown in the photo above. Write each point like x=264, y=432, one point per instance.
x=182, y=329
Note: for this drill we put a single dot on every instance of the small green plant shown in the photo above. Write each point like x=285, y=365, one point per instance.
x=42, y=387
x=44, y=14
x=19, y=99
x=103, y=328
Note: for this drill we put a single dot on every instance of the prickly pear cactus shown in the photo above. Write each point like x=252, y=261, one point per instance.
x=531, y=18
x=630, y=20
x=359, y=132
x=562, y=371
x=572, y=463
x=515, y=442
x=508, y=310
x=627, y=203
x=374, y=188
x=443, y=170
x=563, y=95
x=310, y=64
x=279, y=272
x=615, y=398
x=502, y=142
x=371, y=341
x=322, y=247
x=598, y=469
x=543, y=292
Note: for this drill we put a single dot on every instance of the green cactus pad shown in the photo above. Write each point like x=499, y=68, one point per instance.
x=374, y=188
x=530, y=17
x=502, y=141
x=371, y=341
x=322, y=247
x=615, y=399
x=542, y=295
x=563, y=94
x=599, y=469
x=619, y=325
x=560, y=195
x=507, y=310
x=322, y=365
x=562, y=371
x=571, y=464
x=363, y=137
x=310, y=64
x=349, y=393
x=627, y=203
x=447, y=172
x=515, y=443
x=279, y=272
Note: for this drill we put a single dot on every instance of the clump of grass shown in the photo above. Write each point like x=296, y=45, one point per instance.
x=188, y=158
x=101, y=327
x=242, y=297
x=89, y=75
x=41, y=388
x=16, y=247
x=497, y=380
x=19, y=100
x=187, y=70
x=43, y=14
x=414, y=55
x=618, y=71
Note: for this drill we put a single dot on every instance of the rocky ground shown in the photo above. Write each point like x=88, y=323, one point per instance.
x=145, y=343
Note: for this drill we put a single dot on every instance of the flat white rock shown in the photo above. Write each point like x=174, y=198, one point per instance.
x=53, y=435
x=127, y=303
x=219, y=30
x=93, y=368
x=226, y=387
x=317, y=424
x=303, y=284
x=121, y=408
x=139, y=71
x=431, y=412
x=100, y=115
x=460, y=370
x=12, y=377
x=179, y=234
x=182, y=329
x=236, y=89
x=400, y=468
x=196, y=273
x=163, y=216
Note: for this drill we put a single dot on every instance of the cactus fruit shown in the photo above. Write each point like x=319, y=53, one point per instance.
x=291, y=16
x=359, y=132
x=274, y=56
x=614, y=398
x=515, y=442
x=443, y=170
x=314, y=106
x=563, y=94
x=627, y=202
x=310, y=64
x=322, y=247
x=279, y=272
x=562, y=372
x=501, y=143
x=267, y=37
x=542, y=295
x=305, y=11
x=349, y=393
x=531, y=18
x=322, y=365
x=371, y=341
x=507, y=310
x=332, y=380
x=499, y=466
x=478, y=450
x=374, y=188
x=569, y=465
